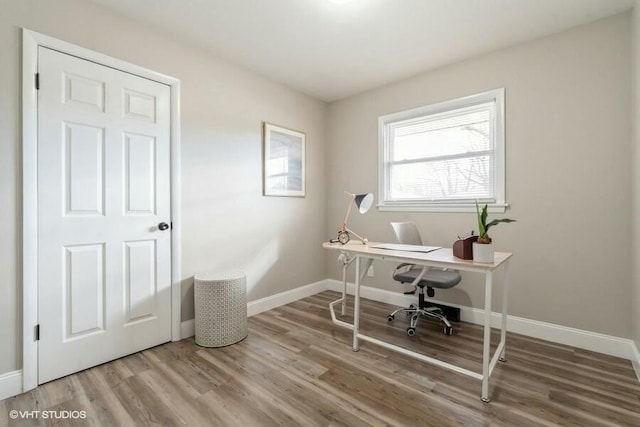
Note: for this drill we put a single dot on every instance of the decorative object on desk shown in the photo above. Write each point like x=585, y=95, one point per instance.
x=483, y=247
x=283, y=162
x=364, y=203
x=463, y=247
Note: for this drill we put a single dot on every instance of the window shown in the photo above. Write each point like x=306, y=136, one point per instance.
x=444, y=157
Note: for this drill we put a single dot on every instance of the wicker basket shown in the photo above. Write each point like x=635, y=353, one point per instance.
x=221, y=308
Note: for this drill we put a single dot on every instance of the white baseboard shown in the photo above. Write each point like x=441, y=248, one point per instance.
x=188, y=328
x=593, y=341
x=601, y=343
x=287, y=297
x=635, y=360
x=10, y=384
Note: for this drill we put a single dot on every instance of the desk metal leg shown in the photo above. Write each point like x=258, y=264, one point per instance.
x=487, y=336
x=346, y=262
x=489, y=361
x=505, y=296
x=344, y=287
x=356, y=308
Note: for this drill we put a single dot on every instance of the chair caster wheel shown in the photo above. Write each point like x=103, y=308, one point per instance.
x=448, y=330
x=390, y=318
x=502, y=359
x=485, y=399
x=412, y=307
x=411, y=331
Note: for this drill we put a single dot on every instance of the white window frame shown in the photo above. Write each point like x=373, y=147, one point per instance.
x=497, y=205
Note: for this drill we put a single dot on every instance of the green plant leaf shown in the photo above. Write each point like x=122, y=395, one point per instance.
x=483, y=219
x=483, y=227
x=498, y=221
x=481, y=230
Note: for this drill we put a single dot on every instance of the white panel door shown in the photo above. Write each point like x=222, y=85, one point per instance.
x=104, y=279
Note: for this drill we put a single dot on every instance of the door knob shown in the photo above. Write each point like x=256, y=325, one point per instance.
x=163, y=226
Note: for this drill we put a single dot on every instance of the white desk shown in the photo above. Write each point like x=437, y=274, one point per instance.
x=442, y=258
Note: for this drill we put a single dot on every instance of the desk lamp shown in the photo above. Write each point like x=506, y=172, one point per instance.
x=364, y=203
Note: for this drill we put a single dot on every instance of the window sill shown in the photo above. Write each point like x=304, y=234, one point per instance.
x=444, y=208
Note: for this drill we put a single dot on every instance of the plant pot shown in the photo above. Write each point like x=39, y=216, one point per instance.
x=483, y=252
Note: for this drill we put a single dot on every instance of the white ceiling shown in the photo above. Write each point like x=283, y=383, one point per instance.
x=331, y=51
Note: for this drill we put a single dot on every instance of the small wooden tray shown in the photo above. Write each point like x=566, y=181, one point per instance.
x=463, y=248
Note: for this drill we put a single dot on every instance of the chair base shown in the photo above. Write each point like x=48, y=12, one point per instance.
x=416, y=312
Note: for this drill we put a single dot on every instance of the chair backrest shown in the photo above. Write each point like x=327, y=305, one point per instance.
x=407, y=233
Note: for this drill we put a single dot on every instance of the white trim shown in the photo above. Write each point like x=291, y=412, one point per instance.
x=593, y=341
x=188, y=328
x=10, y=384
x=283, y=298
x=635, y=359
x=601, y=343
x=29, y=211
x=442, y=207
x=268, y=303
x=30, y=42
x=498, y=202
x=176, y=214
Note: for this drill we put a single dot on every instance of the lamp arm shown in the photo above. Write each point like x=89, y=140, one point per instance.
x=344, y=224
x=362, y=239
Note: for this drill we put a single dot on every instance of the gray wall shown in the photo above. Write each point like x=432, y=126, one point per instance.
x=568, y=132
x=635, y=300
x=569, y=166
x=227, y=222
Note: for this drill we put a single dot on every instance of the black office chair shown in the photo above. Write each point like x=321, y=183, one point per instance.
x=407, y=233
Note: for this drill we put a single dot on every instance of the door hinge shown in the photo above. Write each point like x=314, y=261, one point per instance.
x=171, y=224
x=37, y=81
x=38, y=332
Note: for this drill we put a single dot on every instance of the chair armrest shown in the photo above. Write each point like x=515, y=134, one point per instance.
x=404, y=267
x=404, y=264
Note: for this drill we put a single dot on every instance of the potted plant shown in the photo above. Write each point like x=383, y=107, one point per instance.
x=483, y=248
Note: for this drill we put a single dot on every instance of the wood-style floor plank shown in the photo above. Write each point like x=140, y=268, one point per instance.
x=296, y=368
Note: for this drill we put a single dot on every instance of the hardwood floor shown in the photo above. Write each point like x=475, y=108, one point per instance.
x=297, y=369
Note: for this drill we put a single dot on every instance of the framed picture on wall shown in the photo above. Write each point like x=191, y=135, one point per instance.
x=283, y=162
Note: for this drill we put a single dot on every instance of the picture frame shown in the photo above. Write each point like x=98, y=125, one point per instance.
x=283, y=161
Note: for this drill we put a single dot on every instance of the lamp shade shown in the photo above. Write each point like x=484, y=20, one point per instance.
x=364, y=202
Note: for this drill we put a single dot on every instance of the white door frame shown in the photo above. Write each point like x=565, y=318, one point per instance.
x=31, y=40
